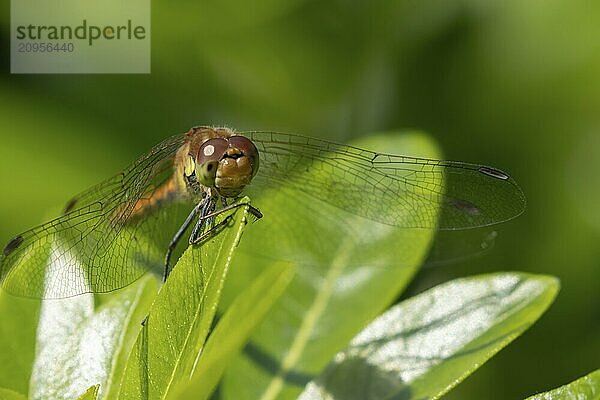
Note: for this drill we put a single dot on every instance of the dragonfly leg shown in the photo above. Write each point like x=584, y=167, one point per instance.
x=253, y=210
x=178, y=236
x=213, y=230
x=207, y=219
x=204, y=222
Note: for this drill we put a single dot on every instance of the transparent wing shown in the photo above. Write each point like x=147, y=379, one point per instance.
x=95, y=246
x=388, y=188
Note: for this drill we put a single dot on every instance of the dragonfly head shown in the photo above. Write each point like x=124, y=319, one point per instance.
x=227, y=164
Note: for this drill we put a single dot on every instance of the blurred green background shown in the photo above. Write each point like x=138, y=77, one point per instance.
x=515, y=84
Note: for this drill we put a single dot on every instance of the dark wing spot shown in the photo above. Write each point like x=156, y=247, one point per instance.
x=13, y=244
x=494, y=173
x=465, y=206
x=70, y=205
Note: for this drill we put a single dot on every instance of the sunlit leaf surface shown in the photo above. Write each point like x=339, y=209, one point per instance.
x=585, y=388
x=427, y=344
x=79, y=346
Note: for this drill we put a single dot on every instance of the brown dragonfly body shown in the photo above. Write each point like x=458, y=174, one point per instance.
x=212, y=162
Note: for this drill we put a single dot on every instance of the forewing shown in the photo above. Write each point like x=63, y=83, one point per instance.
x=388, y=188
x=96, y=245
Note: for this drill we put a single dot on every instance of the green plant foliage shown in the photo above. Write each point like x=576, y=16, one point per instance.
x=180, y=318
x=7, y=394
x=235, y=328
x=91, y=393
x=428, y=344
x=17, y=341
x=512, y=83
x=79, y=346
x=586, y=388
x=349, y=270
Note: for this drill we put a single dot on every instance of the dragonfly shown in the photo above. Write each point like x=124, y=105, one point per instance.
x=111, y=234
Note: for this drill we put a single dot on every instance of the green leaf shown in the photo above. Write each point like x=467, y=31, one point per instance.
x=181, y=316
x=234, y=329
x=349, y=270
x=428, y=344
x=17, y=341
x=586, y=388
x=7, y=394
x=80, y=346
x=91, y=393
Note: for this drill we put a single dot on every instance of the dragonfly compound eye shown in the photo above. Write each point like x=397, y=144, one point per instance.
x=248, y=149
x=238, y=166
x=210, y=154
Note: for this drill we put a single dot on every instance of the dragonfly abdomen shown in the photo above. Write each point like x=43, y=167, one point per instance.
x=168, y=192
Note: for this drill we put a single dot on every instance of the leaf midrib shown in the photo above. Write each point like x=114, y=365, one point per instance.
x=188, y=335
x=314, y=313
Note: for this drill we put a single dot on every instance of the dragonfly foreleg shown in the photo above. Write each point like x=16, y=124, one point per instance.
x=204, y=222
x=253, y=210
x=213, y=230
x=178, y=236
x=207, y=220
